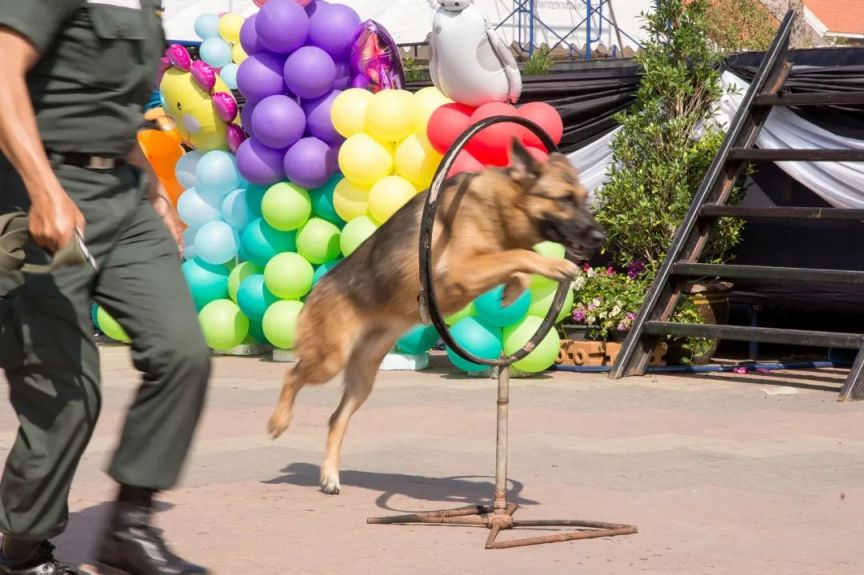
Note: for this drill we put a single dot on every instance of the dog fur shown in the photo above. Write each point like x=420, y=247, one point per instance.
x=485, y=228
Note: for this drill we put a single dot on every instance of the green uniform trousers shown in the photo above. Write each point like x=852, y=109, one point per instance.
x=52, y=363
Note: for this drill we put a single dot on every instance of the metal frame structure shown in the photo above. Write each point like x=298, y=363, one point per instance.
x=499, y=515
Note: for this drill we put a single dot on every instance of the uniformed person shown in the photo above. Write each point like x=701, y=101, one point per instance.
x=74, y=78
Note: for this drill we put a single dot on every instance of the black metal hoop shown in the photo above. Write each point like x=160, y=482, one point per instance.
x=429, y=309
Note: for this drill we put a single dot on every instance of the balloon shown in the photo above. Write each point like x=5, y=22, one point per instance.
x=426, y=101
x=240, y=272
x=256, y=333
x=419, y=339
x=246, y=115
x=322, y=201
x=465, y=164
x=189, y=243
x=479, y=340
x=390, y=115
x=376, y=60
x=289, y=275
x=323, y=269
x=350, y=201
x=543, y=356
x=355, y=233
x=259, y=76
x=310, y=72
x=551, y=250
x=216, y=175
x=223, y=324
x=207, y=26
x=446, y=124
x=254, y=197
x=388, y=195
x=229, y=75
x=186, y=168
x=286, y=206
x=236, y=211
x=280, y=323
x=417, y=162
x=467, y=311
x=94, y=311
x=343, y=76
x=109, y=326
x=261, y=242
x=254, y=298
x=318, y=241
x=278, y=122
x=239, y=55
x=249, y=36
x=364, y=160
x=229, y=27
x=216, y=243
x=196, y=211
x=490, y=310
x=310, y=163
x=348, y=111
x=547, y=118
x=491, y=146
x=318, y=122
x=216, y=52
x=542, y=296
x=260, y=164
x=333, y=27
x=282, y=26
x=207, y=282
x=199, y=102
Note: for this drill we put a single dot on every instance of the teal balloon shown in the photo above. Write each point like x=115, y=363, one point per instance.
x=94, y=311
x=322, y=270
x=489, y=309
x=207, y=282
x=478, y=339
x=322, y=201
x=256, y=332
x=254, y=197
x=419, y=339
x=254, y=298
x=261, y=242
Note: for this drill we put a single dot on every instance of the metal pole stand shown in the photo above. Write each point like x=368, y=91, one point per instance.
x=499, y=515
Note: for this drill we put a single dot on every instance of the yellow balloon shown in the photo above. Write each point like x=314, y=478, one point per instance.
x=390, y=115
x=350, y=201
x=238, y=54
x=364, y=160
x=417, y=162
x=348, y=111
x=426, y=101
x=388, y=195
x=229, y=27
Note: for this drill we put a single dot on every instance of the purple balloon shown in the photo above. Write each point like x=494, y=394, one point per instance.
x=312, y=7
x=278, y=122
x=361, y=82
x=246, y=116
x=260, y=76
x=249, y=37
x=310, y=163
x=343, y=76
x=318, y=122
x=282, y=26
x=333, y=28
x=309, y=72
x=259, y=164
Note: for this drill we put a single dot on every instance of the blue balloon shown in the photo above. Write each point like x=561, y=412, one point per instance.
x=321, y=270
x=229, y=75
x=207, y=26
x=489, y=309
x=185, y=169
x=261, y=242
x=216, y=243
x=235, y=210
x=322, y=201
x=195, y=211
x=217, y=175
x=207, y=282
x=418, y=339
x=254, y=298
x=478, y=339
x=216, y=52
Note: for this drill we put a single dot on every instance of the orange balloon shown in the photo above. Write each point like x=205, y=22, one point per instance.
x=163, y=150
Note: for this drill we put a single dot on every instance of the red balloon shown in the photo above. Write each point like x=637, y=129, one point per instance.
x=465, y=163
x=547, y=118
x=491, y=146
x=446, y=124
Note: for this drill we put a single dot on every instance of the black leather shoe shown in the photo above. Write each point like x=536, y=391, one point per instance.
x=40, y=562
x=132, y=546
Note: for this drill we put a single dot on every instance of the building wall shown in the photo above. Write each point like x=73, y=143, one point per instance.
x=803, y=36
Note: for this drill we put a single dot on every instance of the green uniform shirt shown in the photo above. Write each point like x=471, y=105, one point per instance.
x=99, y=63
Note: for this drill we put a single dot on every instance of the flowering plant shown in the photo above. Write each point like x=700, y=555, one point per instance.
x=607, y=301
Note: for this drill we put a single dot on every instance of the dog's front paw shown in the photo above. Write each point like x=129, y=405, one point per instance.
x=560, y=270
x=330, y=484
x=279, y=422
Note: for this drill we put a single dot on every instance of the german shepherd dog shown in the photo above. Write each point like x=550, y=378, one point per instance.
x=485, y=228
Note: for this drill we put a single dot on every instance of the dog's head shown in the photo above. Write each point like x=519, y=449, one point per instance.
x=553, y=199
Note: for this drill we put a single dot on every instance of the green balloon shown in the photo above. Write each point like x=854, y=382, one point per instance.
x=467, y=311
x=355, y=233
x=110, y=327
x=543, y=356
x=280, y=323
x=551, y=250
x=223, y=324
x=286, y=206
x=240, y=272
x=318, y=241
x=288, y=275
x=541, y=301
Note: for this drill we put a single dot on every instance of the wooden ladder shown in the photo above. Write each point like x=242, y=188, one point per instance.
x=709, y=204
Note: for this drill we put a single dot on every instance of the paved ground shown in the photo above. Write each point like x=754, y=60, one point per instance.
x=722, y=474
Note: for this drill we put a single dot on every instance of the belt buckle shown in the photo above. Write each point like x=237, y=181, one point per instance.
x=100, y=163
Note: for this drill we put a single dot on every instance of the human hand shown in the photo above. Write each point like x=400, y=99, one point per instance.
x=53, y=220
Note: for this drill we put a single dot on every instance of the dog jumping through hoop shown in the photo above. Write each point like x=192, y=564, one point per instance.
x=485, y=228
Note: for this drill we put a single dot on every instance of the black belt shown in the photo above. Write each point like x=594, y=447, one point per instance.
x=88, y=161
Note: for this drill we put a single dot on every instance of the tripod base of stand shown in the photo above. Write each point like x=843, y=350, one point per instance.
x=497, y=520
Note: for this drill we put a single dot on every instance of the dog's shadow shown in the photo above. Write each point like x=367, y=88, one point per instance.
x=447, y=491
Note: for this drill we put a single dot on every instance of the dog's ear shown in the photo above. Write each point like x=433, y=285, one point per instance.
x=523, y=166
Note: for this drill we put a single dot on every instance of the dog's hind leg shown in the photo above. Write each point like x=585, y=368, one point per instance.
x=363, y=364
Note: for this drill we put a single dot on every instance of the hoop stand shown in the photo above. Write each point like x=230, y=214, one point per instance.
x=498, y=516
